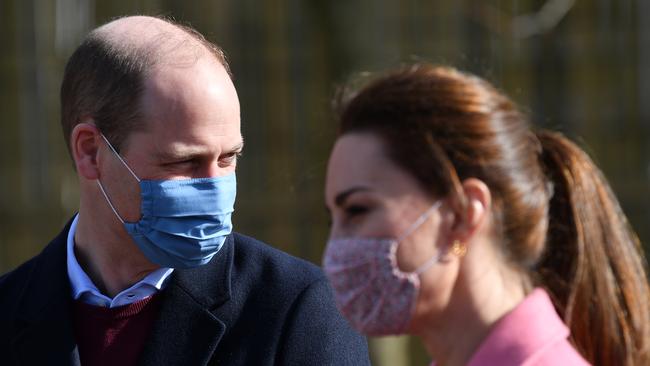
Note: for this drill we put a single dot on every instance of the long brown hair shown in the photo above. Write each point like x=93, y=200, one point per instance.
x=555, y=213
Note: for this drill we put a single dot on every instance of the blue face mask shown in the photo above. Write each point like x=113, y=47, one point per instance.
x=184, y=222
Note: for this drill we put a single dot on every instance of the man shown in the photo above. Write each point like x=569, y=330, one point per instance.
x=148, y=272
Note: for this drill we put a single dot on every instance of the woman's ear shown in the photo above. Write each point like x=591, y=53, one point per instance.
x=84, y=145
x=473, y=215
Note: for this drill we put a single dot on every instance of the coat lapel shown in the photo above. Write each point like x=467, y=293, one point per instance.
x=46, y=335
x=187, y=331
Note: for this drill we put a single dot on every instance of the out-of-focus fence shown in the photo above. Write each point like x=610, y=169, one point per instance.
x=582, y=67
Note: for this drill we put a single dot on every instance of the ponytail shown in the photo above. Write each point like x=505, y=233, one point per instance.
x=593, y=265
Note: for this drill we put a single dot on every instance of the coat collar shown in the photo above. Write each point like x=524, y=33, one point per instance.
x=523, y=334
x=188, y=329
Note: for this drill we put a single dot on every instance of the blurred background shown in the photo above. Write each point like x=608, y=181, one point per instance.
x=582, y=67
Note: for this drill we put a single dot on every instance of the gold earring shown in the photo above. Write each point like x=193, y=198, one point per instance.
x=458, y=249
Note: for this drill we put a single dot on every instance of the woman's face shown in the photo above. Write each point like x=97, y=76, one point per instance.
x=369, y=196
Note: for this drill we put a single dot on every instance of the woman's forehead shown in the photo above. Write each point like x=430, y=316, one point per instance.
x=360, y=160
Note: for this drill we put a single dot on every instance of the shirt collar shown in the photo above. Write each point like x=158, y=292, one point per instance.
x=84, y=289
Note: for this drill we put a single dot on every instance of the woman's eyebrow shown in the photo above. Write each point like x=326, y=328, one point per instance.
x=341, y=197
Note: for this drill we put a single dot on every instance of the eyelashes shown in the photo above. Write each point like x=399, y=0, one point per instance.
x=355, y=210
x=230, y=158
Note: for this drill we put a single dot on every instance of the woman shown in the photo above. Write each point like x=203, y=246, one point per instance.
x=495, y=245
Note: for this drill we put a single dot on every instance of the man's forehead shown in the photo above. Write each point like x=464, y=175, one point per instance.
x=176, y=146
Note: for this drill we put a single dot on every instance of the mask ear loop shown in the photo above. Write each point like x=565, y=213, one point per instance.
x=425, y=266
x=416, y=225
x=419, y=221
x=101, y=187
x=120, y=157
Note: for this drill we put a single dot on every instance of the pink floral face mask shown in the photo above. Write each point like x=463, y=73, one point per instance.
x=370, y=290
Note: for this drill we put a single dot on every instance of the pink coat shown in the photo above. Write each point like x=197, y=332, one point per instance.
x=532, y=334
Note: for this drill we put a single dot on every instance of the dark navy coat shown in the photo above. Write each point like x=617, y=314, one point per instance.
x=251, y=305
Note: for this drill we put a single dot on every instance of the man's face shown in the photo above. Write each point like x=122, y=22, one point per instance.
x=192, y=130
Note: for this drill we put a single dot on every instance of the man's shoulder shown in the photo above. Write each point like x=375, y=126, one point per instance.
x=13, y=287
x=250, y=246
x=289, y=301
x=260, y=259
x=13, y=282
x=260, y=272
x=45, y=266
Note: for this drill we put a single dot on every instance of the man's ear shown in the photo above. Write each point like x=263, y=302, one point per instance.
x=472, y=216
x=84, y=144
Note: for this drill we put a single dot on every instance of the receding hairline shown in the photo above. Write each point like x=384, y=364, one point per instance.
x=138, y=30
x=158, y=37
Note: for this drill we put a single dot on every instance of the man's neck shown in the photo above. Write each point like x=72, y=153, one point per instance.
x=108, y=256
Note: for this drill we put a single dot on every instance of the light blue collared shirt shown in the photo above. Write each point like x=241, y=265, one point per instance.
x=85, y=290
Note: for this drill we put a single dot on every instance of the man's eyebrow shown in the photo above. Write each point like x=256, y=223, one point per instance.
x=179, y=154
x=190, y=152
x=341, y=197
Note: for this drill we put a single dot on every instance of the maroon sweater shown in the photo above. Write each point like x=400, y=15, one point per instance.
x=113, y=336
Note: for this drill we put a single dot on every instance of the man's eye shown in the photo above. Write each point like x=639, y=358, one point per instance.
x=229, y=158
x=180, y=163
x=190, y=163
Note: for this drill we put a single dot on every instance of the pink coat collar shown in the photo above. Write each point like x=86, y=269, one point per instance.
x=531, y=334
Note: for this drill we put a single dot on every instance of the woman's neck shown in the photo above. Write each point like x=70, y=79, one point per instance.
x=479, y=301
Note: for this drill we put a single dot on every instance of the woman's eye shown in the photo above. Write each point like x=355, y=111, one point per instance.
x=355, y=210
